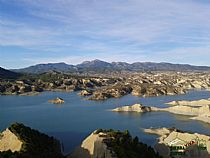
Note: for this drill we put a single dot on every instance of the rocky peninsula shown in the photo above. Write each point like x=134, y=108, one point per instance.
x=174, y=143
x=201, y=113
x=201, y=102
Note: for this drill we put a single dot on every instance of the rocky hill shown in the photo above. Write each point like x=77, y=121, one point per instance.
x=42, y=68
x=6, y=74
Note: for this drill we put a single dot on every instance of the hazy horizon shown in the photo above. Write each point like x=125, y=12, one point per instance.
x=73, y=31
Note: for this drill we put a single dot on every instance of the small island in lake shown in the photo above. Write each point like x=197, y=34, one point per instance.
x=57, y=101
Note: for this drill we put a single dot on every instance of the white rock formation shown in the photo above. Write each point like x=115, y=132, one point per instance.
x=134, y=108
x=9, y=141
x=188, y=110
x=191, y=103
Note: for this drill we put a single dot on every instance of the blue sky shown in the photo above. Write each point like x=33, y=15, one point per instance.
x=72, y=31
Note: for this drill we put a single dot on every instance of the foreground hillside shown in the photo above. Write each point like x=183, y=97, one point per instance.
x=19, y=141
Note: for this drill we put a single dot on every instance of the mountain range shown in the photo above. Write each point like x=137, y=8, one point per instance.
x=102, y=66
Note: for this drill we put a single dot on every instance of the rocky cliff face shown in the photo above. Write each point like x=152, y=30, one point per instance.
x=93, y=147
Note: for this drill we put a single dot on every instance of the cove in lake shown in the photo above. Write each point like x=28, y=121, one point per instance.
x=72, y=121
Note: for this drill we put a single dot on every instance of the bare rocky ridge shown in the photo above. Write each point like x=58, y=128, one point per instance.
x=179, y=144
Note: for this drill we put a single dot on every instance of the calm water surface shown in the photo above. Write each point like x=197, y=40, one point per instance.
x=72, y=121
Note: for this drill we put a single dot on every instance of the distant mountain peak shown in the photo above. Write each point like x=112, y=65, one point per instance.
x=94, y=63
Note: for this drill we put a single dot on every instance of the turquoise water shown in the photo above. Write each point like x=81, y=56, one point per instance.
x=72, y=121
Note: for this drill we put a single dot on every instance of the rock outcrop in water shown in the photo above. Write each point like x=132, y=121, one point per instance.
x=134, y=108
x=200, y=109
x=188, y=110
x=57, y=101
x=174, y=143
x=201, y=113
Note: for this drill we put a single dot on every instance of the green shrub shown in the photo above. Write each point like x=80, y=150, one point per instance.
x=127, y=147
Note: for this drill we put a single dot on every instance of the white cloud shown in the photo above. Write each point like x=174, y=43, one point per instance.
x=118, y=28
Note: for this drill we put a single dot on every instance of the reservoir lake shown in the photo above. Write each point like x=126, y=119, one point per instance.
x=74, y=120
